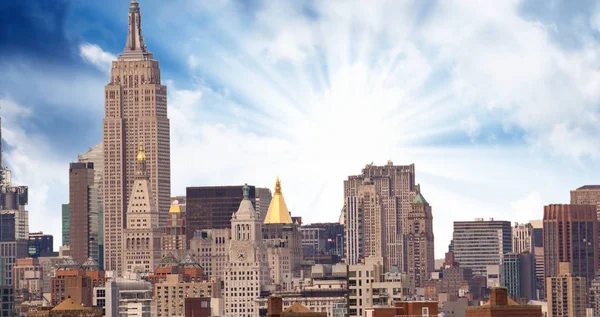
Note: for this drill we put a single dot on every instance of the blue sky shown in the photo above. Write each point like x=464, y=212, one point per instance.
x=496, y=103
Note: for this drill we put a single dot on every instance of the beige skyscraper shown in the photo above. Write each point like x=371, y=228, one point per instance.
x=135, y=112
x=377, y=204
x=419, y=243
x=141, y=236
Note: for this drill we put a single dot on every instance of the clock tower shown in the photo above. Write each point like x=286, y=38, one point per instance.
x=247, y=273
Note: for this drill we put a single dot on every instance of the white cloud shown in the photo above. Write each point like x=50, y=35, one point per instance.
x=527, y=208
x=94, y=54
x=471, y=127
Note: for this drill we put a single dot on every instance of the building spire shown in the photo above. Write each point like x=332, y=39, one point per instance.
x=141, y=170
x=135, y=48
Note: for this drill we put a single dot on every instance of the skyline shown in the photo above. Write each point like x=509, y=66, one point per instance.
x=289, y=105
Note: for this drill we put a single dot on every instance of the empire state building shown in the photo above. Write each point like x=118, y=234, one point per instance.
x=135, y=112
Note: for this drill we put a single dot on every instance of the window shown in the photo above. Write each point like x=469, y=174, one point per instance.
x=425, y=311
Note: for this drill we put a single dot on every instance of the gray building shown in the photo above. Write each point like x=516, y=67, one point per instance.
x=480, y=243
x=518, y=275
x=95, y=155
x=66, y=230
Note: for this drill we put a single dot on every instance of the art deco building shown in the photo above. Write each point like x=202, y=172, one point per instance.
x=281, y=234
x=377, y=204
x=480, y=243
x=141, y=238
x=571, y=235
x=566, y=293
x=419, y=243
x=83, y=212
x=135, y=111
x=246, y=273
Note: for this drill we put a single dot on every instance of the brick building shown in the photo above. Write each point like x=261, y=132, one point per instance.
x=400, y=309
x=500, y=305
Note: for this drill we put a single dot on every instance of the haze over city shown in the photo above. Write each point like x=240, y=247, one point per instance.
x=496, y=105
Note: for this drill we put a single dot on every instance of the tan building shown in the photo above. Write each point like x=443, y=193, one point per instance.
x=171, y=294
x=370, y=284
x=141, y=237
x=566, y=294
x=522, y=237
x=419, y=243
x=173, y=239
x=587, y=195
x=283, y=239
x=246, y=273
x=377, y=204
x=275, y=309
x=211, y=249
x=135, y=111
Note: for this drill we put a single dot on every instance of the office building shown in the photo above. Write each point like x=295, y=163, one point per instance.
x=212, y=207
x=27, y=282
x=125, y=296
x=246, y=273
x=66, y=226
x=518, y=275
x=83, y=212
x=376, y=207
x=538, y=252
x=211, y=249
x=95, y=155
x=142, y=235
x=40, y=244
x=419, y=243
x=523, y=238
x=480, y=243
x=322, y=239
x=566, y=293
x=172, y=293
x=173, y=239
x=571, y=235
x=135, y=112
x=500, y=305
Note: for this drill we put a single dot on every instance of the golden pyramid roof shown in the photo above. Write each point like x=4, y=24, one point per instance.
x=175, y=207
x=70, y=304
x=278, y=211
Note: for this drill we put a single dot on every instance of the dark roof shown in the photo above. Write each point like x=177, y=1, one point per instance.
x=588, y=187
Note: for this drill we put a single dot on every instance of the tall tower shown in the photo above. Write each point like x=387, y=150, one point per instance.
x=83, y=212
x=419, y=243
x=247, y=272
x=135, y=112
x=141, y=237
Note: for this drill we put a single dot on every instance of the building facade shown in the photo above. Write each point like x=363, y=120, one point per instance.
x=40, y=244
x=83, y=212
x=566, y=293
x=518, y=275
x=173, y=239
x=95, y=155
x=419, y=243
x=246, y=273
x=500, y=305
x=66, y=227
x=523, y=238
x=480, y=243
x=142, y=236
x=211, y=249
x=171, y=294
x=135, y=112
x=571, y=235
x=376, y=207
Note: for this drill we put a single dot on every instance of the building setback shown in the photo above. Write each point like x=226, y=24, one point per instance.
x=571, y=235
x=135, y=112
x=376, y=207
x=480, y=243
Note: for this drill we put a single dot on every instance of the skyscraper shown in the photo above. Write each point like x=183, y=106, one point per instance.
x=95, y=155
x=587, y=195
x=83, y=212
x=376, y=207
x=518, y=275
x=480, y=243
x=571, y=235
x=142, y=235
x=566, y=294
x=419, y=243
x=135, y=112
x=522, y=238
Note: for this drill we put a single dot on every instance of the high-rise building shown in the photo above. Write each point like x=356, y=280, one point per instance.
x=480, y=243
x=571, y=235
x=211, y=207
x=419, y=243
x=142, y=236
x=523, y=238
x=40, y=244
x=594, y=295
x=83, y=212
x=587, y=195
x=376, y=207
x=566, y=293
x=283, y=239
x=95, y=155
x=246, y=273
x=211, y=249
x=538, y=251
x=66, y=227
x=518, y=275
x=262, y=202
x=173, y=239
x=323, y=238
x=135, y=112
